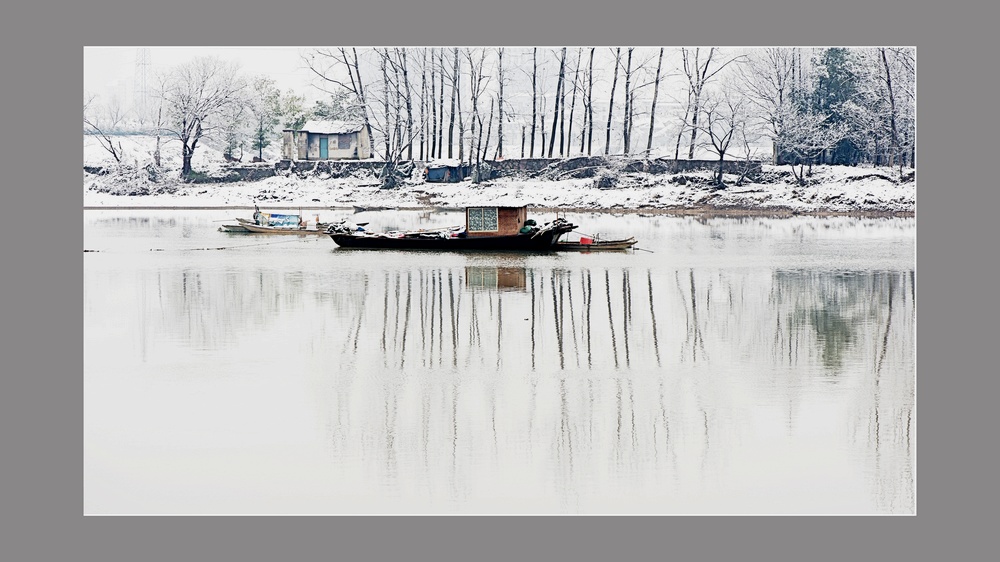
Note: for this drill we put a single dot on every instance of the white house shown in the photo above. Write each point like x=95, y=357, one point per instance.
x=326, y=140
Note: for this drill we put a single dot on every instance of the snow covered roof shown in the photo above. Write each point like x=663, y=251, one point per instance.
x=331, y=127
x=445, y=163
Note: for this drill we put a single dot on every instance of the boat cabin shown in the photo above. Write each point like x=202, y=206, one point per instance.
x=494, y=221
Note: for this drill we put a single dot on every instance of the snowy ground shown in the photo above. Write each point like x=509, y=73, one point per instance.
x=831, y=189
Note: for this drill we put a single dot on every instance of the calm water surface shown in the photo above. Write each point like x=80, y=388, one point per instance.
x=747, y=365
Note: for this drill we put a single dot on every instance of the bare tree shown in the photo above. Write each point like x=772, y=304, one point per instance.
x=611, y=102
x=440, y=134
x=590, y=103
x=103, y=122
x=627, y=115
x=199, y=92
x=726, y=120
x=423, y=100
x=328, y=65
x=478, y=80
x=698, y=74
x=458, y=108
x=534, y=97
x=572, y=106
x=768, y=83
x=501, y=79
x=652, y=109
x=555, y=110
x=454, y=94
x=395, y=124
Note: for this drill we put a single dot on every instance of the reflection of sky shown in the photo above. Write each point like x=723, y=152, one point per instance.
x=298, y=377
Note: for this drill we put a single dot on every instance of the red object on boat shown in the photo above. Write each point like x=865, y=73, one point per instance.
x=585, y=240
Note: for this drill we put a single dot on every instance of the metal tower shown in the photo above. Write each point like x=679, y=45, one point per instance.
x=140, y=95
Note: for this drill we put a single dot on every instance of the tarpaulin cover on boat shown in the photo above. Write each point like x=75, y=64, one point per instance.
x=274, y=219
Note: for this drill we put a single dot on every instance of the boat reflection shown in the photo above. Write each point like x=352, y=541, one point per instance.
x=502, y=278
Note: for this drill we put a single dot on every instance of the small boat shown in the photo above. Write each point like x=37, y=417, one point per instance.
x=274, y=223
x=591, y=244
x=486, y=228
x=312, y=228
x=233, y=228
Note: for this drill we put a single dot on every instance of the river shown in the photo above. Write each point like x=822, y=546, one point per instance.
x=743, y=365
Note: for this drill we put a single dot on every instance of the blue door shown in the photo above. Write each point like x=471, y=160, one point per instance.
x=324, y=148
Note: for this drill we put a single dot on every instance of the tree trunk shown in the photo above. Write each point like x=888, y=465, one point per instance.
x=385, y=105
x=892, y=113
x=474, y=141
x=409, y=108
x=652, y=110
x=363, y=101
x=590, y=103
x=433, y=103
x=458, y=106
x=398, y=129
x=440, y=133
x=626, y=125
x=694, y=122
x=500, y=80
x=489, y=130
x=555, y=110
x=572, y=105
x=159, y=126
x=680, y=133
x=454, y=92
x=423, y=101
x=534, y=97
x=611, y=103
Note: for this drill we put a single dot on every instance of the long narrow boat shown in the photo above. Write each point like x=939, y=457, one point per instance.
x=593, y=245
x=274, y=223
x=486, y=228
x=233, y=228
x=252, y=227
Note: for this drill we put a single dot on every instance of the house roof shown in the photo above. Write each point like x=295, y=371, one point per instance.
x=331, y=127
x=444, y=163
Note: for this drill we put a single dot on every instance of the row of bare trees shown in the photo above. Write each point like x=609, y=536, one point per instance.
x=813, y=105
x=704, y=100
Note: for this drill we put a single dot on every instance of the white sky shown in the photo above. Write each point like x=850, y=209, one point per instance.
x=106, y=70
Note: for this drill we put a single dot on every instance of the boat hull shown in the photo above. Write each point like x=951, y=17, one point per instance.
x=250, y=226
x=596, y=245
x=518, y=243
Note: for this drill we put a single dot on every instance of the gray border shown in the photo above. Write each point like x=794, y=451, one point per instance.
x=43, y=394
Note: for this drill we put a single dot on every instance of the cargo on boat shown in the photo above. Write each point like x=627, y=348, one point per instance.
x=486, y=228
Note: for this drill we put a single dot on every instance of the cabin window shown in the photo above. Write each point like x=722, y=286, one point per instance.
x=344, y=141
x=483, y=219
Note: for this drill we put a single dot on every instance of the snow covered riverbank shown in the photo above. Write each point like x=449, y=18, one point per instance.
x=831, y=190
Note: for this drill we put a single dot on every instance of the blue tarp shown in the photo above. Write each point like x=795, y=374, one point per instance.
x=274, y=219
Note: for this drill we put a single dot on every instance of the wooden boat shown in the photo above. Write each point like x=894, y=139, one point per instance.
x=252, y=227
x=486, y=228
x=584, y=246
x=274, y=223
